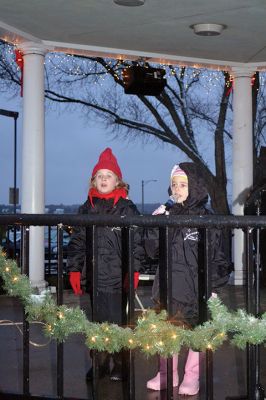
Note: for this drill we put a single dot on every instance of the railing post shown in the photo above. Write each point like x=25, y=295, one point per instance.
x=204, y=293
x=26, y=330
x=254, y=389
x=128, y=271
x=92, y=265
x=165, y=274
x=60, y=346
x=49, y=250
x=260, y=392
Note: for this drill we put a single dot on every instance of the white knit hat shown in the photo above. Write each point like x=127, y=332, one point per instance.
x=177, y=171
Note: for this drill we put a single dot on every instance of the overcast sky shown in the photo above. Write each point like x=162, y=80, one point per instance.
x=72, y=149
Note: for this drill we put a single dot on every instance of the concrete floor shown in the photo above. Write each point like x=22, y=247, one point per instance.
x=229, y=362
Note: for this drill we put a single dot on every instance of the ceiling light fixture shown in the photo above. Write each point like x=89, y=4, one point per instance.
x=129, y=3
x=208, y=29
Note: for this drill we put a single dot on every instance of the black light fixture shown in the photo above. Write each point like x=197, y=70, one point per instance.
x=141, y=80
x=129, y=3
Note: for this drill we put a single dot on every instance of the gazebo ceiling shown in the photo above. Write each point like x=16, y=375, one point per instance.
x=159, y=30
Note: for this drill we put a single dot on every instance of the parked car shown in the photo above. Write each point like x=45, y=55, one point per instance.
x=8, y=241
x=51, y=249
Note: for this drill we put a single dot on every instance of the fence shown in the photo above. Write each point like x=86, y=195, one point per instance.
x=249, y=224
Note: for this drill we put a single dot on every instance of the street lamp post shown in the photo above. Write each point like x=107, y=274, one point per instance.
x=143, y=183
x=13, y=114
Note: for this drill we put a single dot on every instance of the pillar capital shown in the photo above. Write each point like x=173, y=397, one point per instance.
x=243, y=72
x=33, y=48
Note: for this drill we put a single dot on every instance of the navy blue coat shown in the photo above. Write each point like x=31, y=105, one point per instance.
x=109, y=246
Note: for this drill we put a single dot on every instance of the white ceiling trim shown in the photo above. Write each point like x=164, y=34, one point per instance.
x=15, y=36
x=125, y=54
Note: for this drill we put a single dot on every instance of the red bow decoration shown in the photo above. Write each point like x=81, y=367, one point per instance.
x=230, y=86
x=20, y=64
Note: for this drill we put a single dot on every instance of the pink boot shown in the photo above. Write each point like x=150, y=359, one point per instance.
x=190, y=384
x=159, y=382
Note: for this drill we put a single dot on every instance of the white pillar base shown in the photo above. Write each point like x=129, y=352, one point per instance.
x=239, y=261
x=38, y=287
x=36, y=257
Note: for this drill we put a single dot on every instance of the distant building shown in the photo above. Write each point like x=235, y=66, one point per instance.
x=59, y=211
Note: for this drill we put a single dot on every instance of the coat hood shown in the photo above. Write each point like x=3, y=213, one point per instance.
x=197, y=191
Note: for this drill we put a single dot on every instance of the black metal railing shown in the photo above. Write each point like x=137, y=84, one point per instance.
x=249, y=225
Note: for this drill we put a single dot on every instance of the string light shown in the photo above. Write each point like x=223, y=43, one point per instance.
x=71, y=69
x=75, y=66
x=164, y=339
x=83, y=66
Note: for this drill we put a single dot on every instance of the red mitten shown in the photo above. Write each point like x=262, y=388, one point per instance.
x=136, y=281
x=74, y=279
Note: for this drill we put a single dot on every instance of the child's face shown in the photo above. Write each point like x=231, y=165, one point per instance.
x=179, y=188
x=105, y=181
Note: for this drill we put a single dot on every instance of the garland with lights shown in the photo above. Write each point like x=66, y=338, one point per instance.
x=164, y=337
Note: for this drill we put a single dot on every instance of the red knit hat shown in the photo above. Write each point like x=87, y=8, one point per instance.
x=107, y=161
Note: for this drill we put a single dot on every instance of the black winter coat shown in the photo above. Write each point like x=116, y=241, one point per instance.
x=184, y=245
x=109, y=246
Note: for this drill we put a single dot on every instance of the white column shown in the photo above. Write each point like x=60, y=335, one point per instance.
x=242, y=159
x=33, y=154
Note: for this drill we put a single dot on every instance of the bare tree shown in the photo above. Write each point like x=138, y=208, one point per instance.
x=184, y=115
x=193, y=112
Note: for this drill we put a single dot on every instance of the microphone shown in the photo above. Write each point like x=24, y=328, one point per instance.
x=170, y=202
x=165, y=207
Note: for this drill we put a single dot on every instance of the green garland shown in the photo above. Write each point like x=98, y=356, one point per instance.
x=153, y=333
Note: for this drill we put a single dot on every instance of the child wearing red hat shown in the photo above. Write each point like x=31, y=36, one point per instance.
x=108, y=195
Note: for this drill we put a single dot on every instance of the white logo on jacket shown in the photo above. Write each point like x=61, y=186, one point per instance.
x=116, y=228
x=192, y=235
